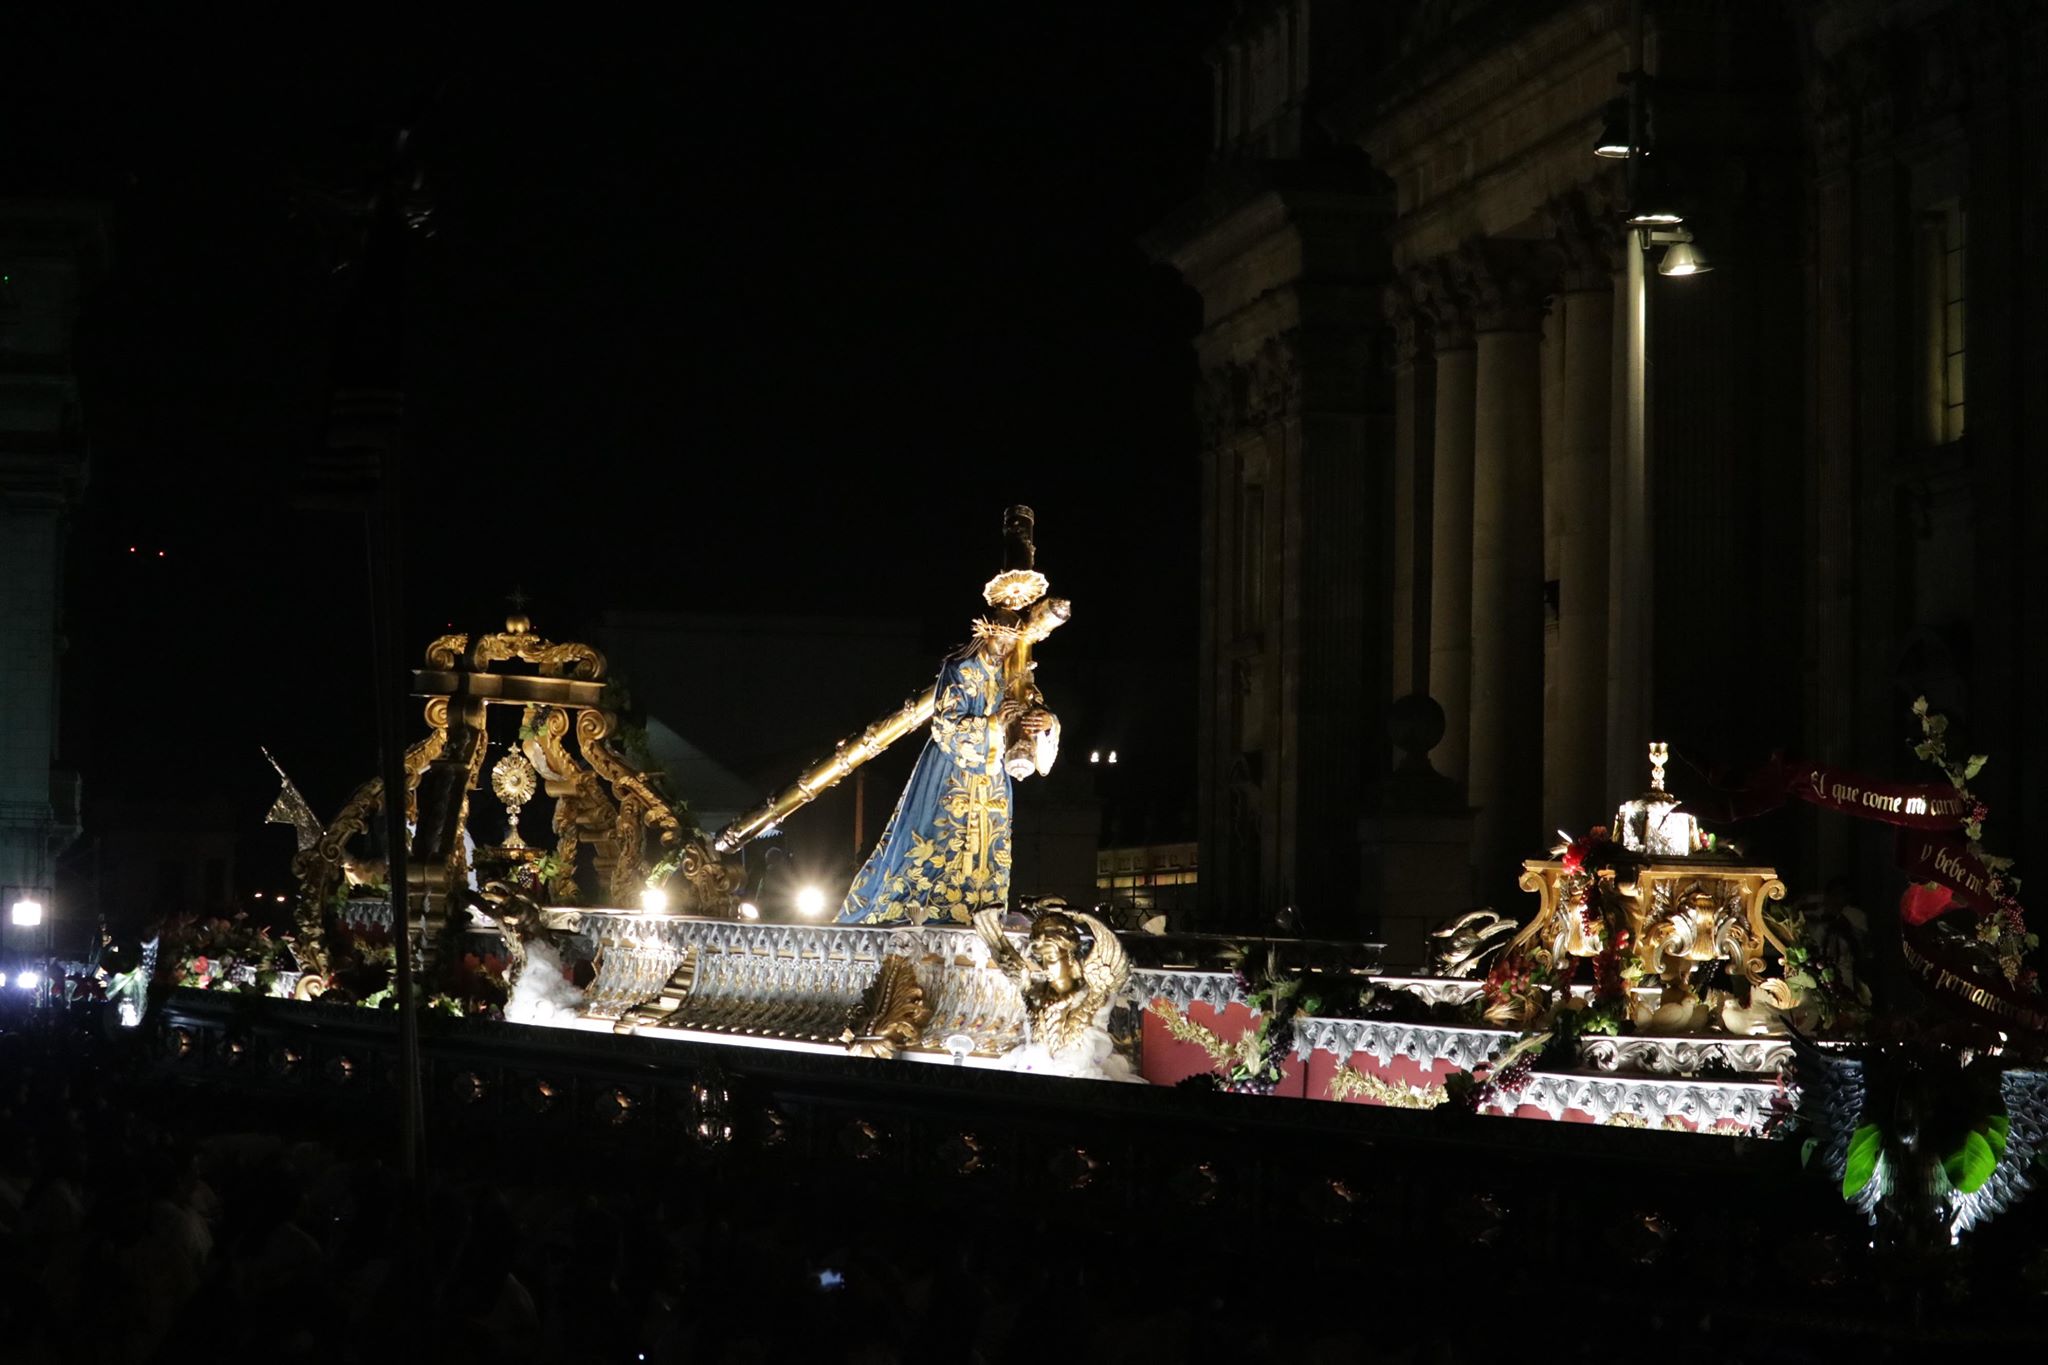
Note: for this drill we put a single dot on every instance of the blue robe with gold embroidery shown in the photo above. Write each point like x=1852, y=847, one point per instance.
x=946, y=850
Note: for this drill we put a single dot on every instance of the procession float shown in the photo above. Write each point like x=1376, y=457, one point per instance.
x=1656, y=980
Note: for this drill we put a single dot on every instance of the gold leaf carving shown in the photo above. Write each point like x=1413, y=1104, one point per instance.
x=891, y=1014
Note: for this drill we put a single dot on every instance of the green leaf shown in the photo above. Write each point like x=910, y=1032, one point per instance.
x=1975, y=765
x=1806, y=1151
x=1971, y=1165
x=1919, y=706
x=1996, y=1128
x=1865, y=1145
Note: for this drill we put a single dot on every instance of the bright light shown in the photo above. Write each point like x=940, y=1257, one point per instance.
x=749, y=910
x=27, y=913
x=810, y=902
x=257, y=896
x=280, y=900
x=130, y=1016
x=1615, y=150
x=1683, y=258
x=1656, y=218
x=654, y=900
x=3, y=980
x=27, y=981
x=1112, y=755
x=1095, y=755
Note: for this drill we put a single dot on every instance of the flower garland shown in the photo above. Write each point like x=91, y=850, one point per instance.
x=220, y=954
x=2003, y=927
x=1251, y=1065
x=1523, y=981
x=1348, y=1082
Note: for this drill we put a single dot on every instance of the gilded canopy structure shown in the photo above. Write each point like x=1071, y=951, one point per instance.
x=636, y=833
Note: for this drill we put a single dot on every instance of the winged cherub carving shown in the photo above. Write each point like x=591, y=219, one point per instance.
x=1064, y=993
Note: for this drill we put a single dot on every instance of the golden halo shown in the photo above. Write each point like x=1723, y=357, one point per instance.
x=1015, y=589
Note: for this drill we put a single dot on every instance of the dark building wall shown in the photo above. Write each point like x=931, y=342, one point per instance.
x=1925, y=118
x=1822, y=552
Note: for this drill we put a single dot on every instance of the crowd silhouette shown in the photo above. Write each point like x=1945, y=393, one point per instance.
x=143, y=1220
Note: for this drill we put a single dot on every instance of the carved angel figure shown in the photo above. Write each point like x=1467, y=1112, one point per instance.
x=1064, y=994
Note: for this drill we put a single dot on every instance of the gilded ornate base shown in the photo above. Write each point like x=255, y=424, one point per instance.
x=1680, y=916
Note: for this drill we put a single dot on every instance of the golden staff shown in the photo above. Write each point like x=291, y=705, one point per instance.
x=847, y=755
x=1026, y=623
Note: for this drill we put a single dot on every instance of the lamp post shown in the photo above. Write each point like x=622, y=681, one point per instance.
x=1631, y=580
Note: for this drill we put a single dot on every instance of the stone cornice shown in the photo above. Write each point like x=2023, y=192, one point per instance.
x=1242, y=203
x=1476, y=150
x=1461, y=102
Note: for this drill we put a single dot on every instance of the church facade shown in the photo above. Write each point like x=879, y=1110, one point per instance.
x=51, y=252
x=1453, y=447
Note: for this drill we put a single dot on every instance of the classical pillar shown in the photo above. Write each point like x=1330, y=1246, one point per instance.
x=1581, y=327
x=1450, y=549
x=1414, y=382
x=1505, y=763
x=1630, y=581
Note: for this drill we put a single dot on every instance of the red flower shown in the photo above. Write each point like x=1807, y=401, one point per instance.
x=1923, y=901
x=1575, y=857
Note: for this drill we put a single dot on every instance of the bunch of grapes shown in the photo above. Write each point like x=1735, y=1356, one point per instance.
x=1513, y=1078
x=1279, y=1040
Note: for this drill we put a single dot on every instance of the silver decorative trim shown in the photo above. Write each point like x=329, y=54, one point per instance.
x=1741, y=1105
x=366, y=912
x=1184, y=988
x=1686, y=1056
x=1426, y=1044
x=1433, y=992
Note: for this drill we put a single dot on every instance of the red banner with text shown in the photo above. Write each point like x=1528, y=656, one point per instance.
x=1915, y=805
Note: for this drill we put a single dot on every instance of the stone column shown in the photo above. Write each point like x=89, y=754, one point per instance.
x=1582, y=328
x=1505, y=769
x=1450, y=551
x=1414, y=433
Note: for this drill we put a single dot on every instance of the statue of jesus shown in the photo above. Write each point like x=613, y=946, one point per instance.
x=945, y=852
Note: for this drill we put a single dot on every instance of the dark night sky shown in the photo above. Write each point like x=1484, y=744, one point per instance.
x=759, y=312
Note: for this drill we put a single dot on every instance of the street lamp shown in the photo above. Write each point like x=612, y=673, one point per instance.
x=26, y=913
x=1632, y=577
x=1683, y=258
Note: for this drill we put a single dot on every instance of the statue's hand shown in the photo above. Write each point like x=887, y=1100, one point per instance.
x=1010, y=709
x=1037, y=721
